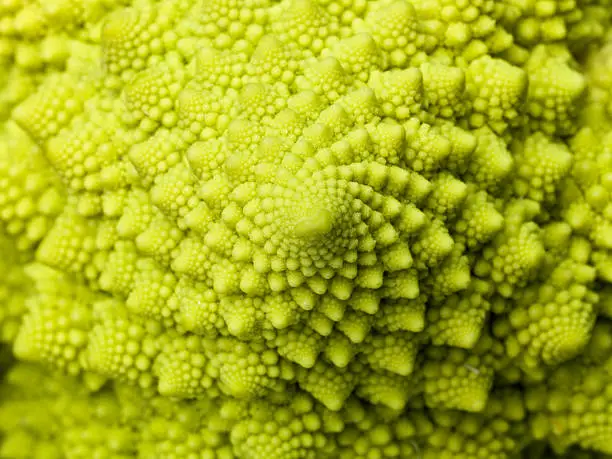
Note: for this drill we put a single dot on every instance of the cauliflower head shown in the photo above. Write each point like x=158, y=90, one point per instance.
x=305, y=229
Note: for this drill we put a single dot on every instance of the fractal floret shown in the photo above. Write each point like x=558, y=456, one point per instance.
x=305, y=229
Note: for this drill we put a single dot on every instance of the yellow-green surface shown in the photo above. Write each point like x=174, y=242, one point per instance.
x=305, y=229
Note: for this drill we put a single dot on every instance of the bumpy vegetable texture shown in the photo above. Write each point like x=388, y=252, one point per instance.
x=306, y=229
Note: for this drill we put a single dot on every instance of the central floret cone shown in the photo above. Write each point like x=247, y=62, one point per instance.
x=317, y=222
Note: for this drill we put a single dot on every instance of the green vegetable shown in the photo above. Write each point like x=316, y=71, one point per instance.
x=305, y=229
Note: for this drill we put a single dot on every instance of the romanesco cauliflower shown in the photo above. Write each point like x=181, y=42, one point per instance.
x=306, y=229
